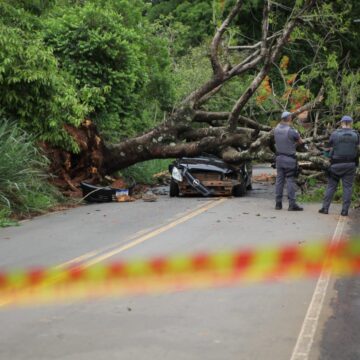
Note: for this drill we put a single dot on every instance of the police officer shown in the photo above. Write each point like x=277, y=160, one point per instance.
x=286, y=139
x=344, y=157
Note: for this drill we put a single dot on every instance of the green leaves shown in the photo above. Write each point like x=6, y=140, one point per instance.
x=63, y=61
x=116, y=63
x=33, y=91
x=22, y=174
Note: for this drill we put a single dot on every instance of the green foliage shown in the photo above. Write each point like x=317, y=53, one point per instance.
x=101, y=54
x=200, y=18
x=36, y=7
x=62, y=61
x=23, y=186
x=316, y=193
x=342, y=95
x=124, y=62
x=119, y=67
x=33, y=91
x=143, y=173
x=313, y=195
x=192, y=69
x=5, y=218
x=184, y=24
x=316, y=51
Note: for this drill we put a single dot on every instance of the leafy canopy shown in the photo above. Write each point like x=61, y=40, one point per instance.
x=67, y=60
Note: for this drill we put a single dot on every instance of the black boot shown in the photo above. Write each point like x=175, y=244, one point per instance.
x=323, y=211
x=295, y=207
x=344, y=213
x=278, y=206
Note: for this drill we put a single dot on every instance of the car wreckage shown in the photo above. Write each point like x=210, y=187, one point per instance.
x=209, y=175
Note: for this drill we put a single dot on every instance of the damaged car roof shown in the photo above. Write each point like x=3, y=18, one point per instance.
x=206, y=163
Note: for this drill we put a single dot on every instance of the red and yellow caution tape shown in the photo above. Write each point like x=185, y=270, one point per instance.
x=175, y=273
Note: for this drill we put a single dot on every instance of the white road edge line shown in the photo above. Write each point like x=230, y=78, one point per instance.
x=306, y=337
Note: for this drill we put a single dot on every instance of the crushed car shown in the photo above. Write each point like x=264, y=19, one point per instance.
x=209, y=175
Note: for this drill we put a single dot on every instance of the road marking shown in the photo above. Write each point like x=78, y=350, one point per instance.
x=142, y=233
x=78, y=259
x=137, y=240
x=306, y=337
x=154, y=233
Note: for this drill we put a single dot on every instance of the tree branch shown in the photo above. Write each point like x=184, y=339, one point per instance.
x=265, y=27
x=210, y=117
x=273, y=54
x=214, y=49
x=311, y=104
x=254, y=46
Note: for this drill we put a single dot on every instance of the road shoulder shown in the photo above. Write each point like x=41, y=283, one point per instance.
x=341, y=331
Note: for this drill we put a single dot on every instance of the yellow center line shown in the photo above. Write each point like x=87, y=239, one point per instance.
x=78, y=259
x=143, y=233
x=94, y=253
x=137, y=240
x=154, y=233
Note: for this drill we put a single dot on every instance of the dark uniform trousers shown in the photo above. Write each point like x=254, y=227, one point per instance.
x=286, y=169
x=346, y=172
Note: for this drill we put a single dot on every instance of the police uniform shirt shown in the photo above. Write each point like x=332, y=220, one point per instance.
x=341, y=168
x=350, y=134
x=285, y=139
x=285, y=143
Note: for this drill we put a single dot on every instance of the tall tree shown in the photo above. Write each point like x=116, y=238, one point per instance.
x=103, y=60
x=186, y=130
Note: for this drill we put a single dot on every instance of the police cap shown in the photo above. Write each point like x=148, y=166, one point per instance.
x=347, y=118
x=285, y=115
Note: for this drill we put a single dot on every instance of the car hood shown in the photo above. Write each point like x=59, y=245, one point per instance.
x=203, y=163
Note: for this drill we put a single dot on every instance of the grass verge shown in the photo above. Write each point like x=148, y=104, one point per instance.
x=316, y=192
x=143, y=173
x=24, y=190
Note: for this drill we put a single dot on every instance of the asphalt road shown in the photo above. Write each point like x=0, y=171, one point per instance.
x=262, y=321
x=341, y=330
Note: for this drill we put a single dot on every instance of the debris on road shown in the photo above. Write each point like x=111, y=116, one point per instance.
x=119, y=184
x=161, y=190
x=162, y=178
x=265, y=177
x=149, y=197
x=124, y=198
x=100, y=194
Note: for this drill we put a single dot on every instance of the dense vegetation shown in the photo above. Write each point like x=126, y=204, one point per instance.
x=64, y=62
x=23, y=186
x=124, y=64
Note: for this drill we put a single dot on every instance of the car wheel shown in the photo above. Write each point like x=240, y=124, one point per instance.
x=174, y=188
x=239, y=190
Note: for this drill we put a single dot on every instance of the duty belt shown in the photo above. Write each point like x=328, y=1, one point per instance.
x=293, y=156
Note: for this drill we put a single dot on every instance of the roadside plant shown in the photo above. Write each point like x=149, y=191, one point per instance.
x=23, y=186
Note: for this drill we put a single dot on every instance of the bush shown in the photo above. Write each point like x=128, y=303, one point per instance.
x=316, y=193
x=34, y=93
x=119, y=67
x=143, y=173
x=23, y=186
x=63, y=61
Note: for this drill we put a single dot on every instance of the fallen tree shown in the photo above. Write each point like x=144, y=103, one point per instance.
x=191, y=129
